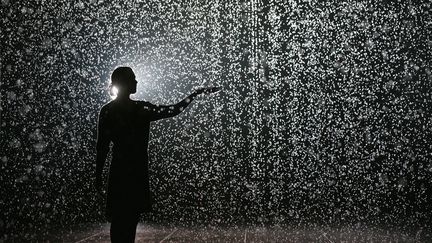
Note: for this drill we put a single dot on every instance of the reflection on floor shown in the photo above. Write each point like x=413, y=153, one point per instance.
x=151, y=233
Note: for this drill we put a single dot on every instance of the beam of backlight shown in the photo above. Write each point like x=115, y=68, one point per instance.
x=113, y=92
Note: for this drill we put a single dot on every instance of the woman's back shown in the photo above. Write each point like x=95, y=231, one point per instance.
x=127, y=125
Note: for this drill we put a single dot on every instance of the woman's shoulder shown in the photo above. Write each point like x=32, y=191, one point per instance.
x=141, y=102
x=113, y=106
x=107, y=106
x=144, y=104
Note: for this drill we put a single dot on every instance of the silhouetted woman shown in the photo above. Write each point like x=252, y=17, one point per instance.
x=126, y=124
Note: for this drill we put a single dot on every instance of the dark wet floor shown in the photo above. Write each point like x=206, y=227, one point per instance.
x=152, y=233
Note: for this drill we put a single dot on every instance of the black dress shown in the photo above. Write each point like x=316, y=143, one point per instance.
x=127, y=125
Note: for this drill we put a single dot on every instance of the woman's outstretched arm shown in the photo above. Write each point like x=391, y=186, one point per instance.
x=166, y=111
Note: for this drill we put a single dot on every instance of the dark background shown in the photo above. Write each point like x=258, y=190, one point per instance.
x=325, y=116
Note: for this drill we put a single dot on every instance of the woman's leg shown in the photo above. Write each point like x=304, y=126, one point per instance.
x=123, y=227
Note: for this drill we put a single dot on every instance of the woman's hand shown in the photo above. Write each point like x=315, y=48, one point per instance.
x=207, y=90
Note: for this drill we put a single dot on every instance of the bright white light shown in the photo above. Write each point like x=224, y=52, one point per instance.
x=114, y=92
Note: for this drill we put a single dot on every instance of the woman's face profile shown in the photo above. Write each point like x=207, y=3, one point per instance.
x=132, y=83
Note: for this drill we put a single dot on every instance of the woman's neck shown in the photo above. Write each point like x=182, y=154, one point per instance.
x=123, y=96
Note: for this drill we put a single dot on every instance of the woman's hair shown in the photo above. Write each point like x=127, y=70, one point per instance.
x=120, y=75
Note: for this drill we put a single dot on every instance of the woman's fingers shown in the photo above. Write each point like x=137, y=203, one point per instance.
x=207, y=90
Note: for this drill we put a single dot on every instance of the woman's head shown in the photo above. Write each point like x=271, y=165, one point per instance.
x=123, y=78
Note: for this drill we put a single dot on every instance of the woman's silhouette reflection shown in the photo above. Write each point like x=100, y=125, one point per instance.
x=126, y=124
